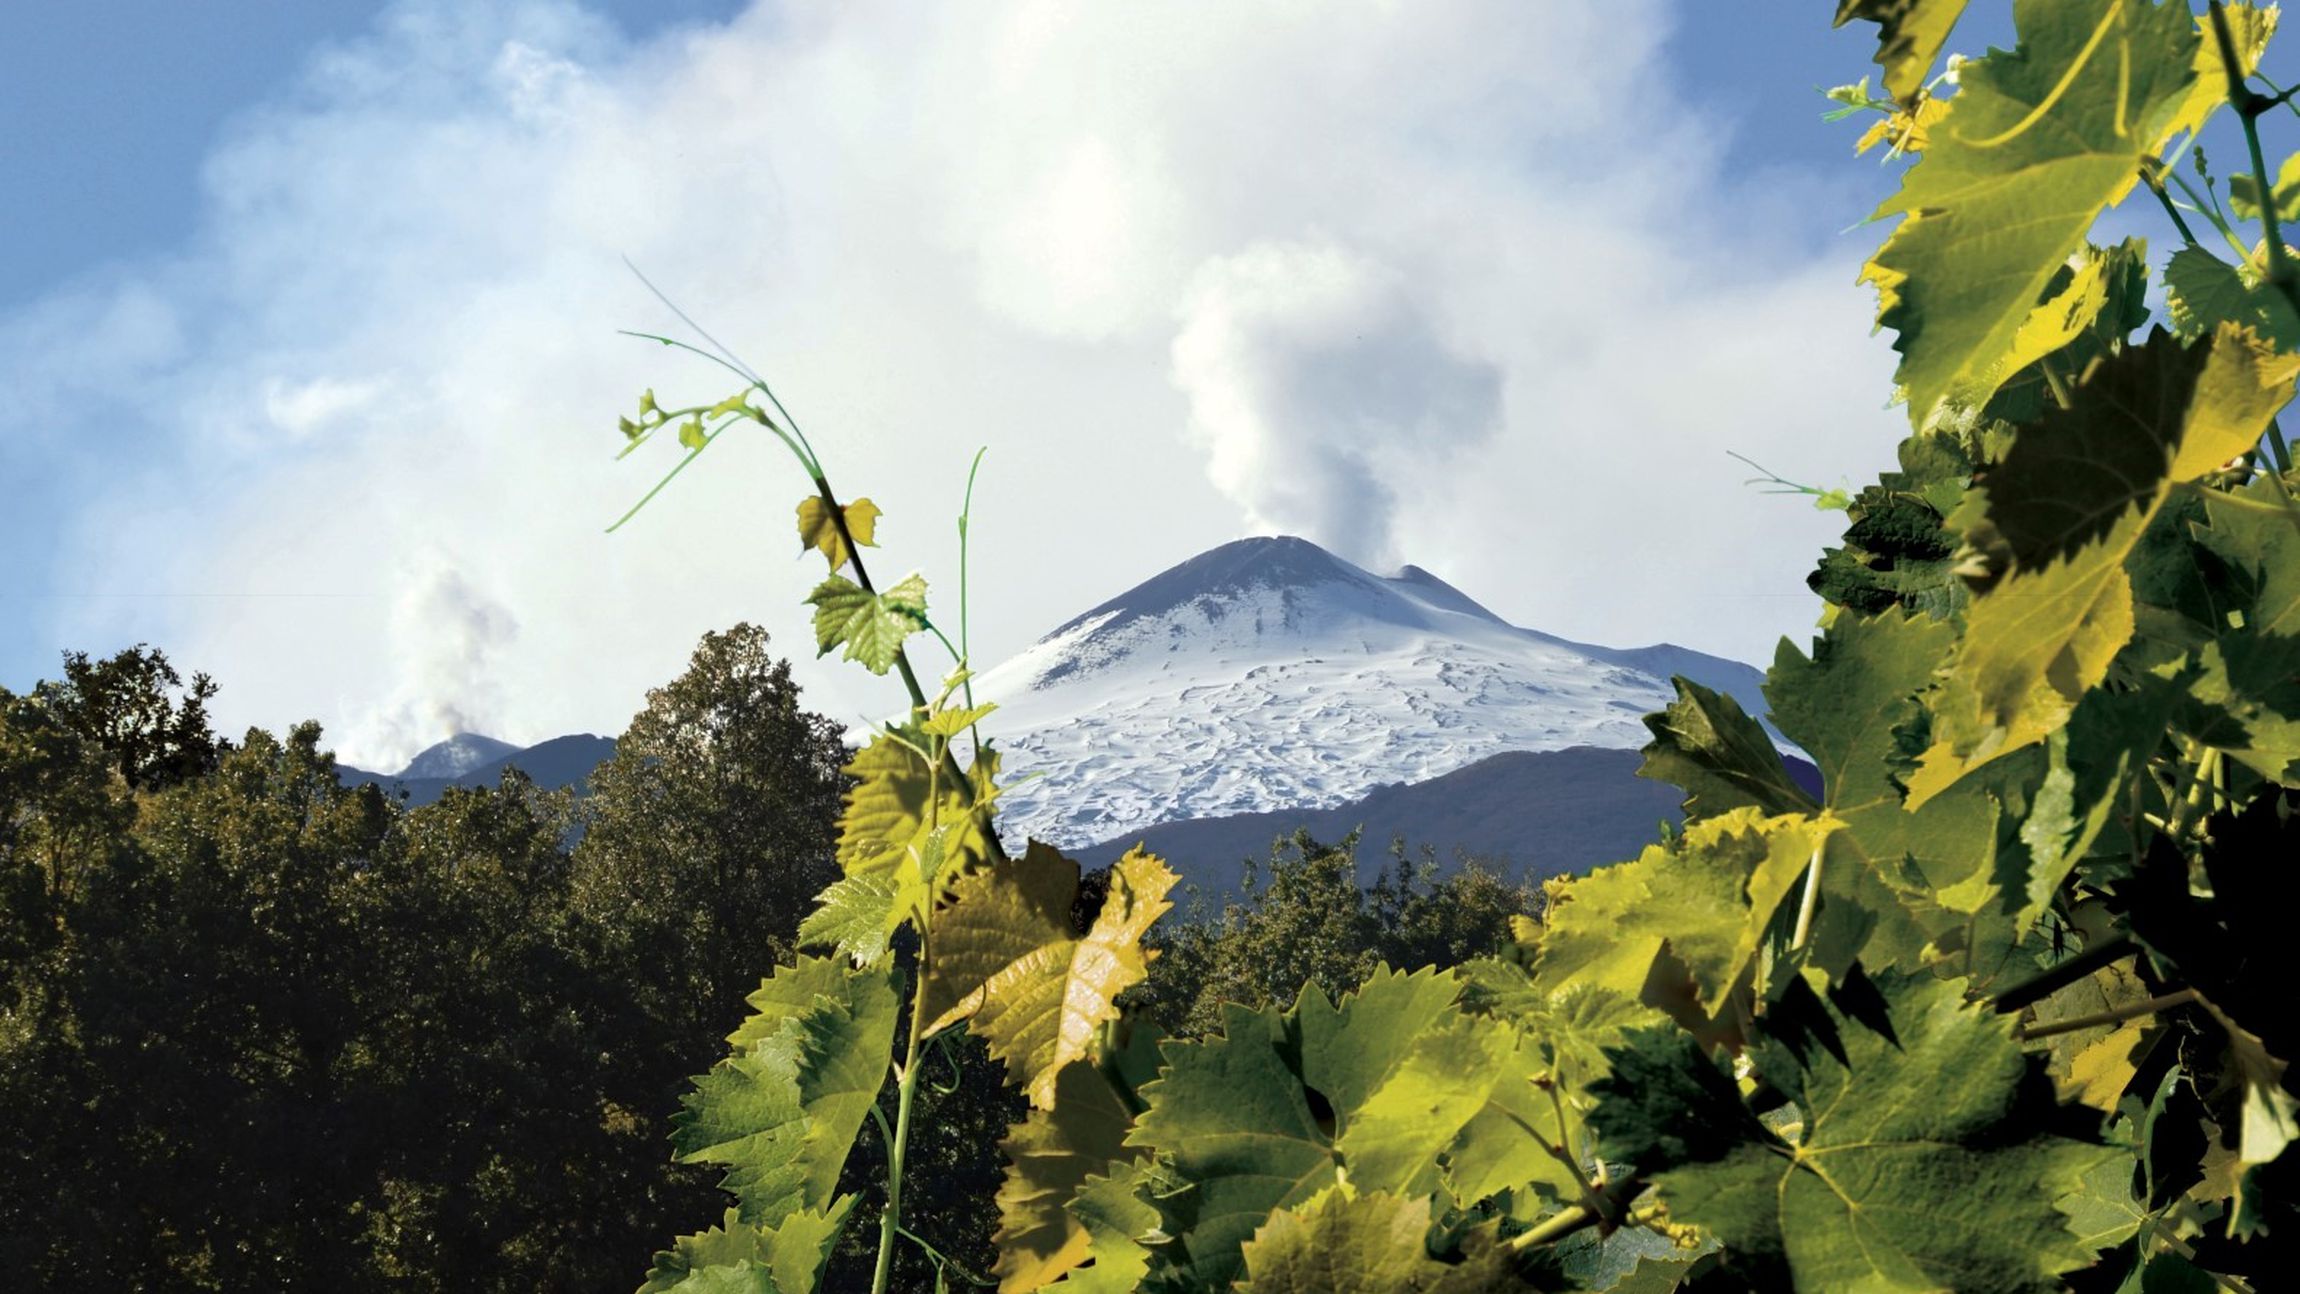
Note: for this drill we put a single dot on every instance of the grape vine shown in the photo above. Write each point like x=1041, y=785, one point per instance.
x=1995, y=1011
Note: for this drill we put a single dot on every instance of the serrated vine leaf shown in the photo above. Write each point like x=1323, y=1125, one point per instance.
x=948, y=724
x=1910, y=34
x=1894, y=876
x=1720, y=757
x=871, y=626
x=739, y=1258
x=2056, y=521
x=1344, y=1242
x=2251, y=26
x=1704, y=900
x=2035, y=143
x=1052, y=1154
x=2076, y=299
x=858, y=915
x=781, y=1113
x=2244, y=193
x=1120, y=1222
x=901, y=806
x=1541, y=1098
x=2248, y=698
x=1267, y=1113
x=817, y=529
x=2202, y=292
x=1006, y=961
x=1921, y=1163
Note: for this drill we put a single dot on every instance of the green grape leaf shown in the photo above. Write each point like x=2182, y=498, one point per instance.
x=1541, y=1096
x=948, y=724
x=737, y=1257
x=1005, y=959
x=1895, y=880
x=1666, y=1101
x=871, y=626
x=1270, y=1111
x=1345, y=1242
x=818, y=531
x=2249, y=694
x=1050, y=1155
x=2202, y=292
x=744, y=1277
x=2090, y=307
x=1909, y=37
x=1506, y=1145
x=1920, y=1163
x=858, y=915
x=2244, y=193
x=2251, y=26
x=2055, y=522
x=900, y=805
x=2036, y=142
x=1705, y=900
x=781, y=1113
x=1720, y=757
x=1897, y=552
x=1119, y=1224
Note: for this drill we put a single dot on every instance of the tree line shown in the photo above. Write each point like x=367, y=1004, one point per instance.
x=261, y=1029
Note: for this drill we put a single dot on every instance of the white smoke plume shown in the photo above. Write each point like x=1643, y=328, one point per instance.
x=1313, y=376
x=450, y=639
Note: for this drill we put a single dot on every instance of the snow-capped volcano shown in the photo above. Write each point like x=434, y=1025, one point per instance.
x=1270, y=674
x=457, y=755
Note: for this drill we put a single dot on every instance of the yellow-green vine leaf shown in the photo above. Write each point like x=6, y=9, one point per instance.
x=1006, y=961
x=818, y=530
x=781, y=1112
x=1565, y=1038
x=899, y=806
x=2249, y=694
x=2055, y=521
x=2201, y=292
x=2251, y=26
x=2244, y=193
x=1051, y=1155
x=1706, y=746
x=1704, y=901
x=739, y=1258
x=1344, y=1242
x=858, y=915
x=2036, y=143
x=1120, y=1223
x=870, y=625
x=1921, y=1162
x=1904, y=130
x=1274, y=1108
x=2063, y=316
x=1910, y=34
x=1505, y=1145
x=948, y=724
x=1893, y=879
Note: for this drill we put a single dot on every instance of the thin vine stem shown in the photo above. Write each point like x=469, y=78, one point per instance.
x=2149, y=175
x=1810, y=902
x=2114, y=1015
x=2250, y=104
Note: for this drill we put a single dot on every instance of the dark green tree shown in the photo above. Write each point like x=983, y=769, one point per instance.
x=1306, y=919
x=710, y=832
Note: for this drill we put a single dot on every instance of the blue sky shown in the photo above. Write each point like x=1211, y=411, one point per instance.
x=308, y=310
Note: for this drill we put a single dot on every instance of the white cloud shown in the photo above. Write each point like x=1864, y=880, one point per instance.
x=1427, y=261
x=301, y=408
